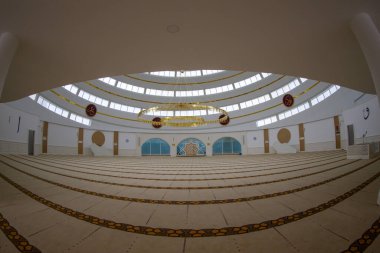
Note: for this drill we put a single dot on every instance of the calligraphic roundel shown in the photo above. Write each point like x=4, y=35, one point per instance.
x=288, y=100
x=156, y=122
x=91, y=110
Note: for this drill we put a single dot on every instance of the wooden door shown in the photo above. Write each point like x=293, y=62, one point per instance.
x=337, y=132
x=266, y=140
x=45, y=137
x=80, y=141
x=301, y=132
x=116, y=143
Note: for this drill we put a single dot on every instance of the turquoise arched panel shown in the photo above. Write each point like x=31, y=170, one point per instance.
x=191, y=147
x=226, y=145
x=155, y=146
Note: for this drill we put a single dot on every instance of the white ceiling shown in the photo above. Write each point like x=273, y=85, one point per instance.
x=64, y=41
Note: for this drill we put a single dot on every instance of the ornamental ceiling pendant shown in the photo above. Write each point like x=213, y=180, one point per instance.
x=182, y=121
x=177, y=119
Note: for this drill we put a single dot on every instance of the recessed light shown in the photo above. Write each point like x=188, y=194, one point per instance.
x=172, y=28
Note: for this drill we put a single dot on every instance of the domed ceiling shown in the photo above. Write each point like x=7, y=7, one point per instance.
x=250, y=100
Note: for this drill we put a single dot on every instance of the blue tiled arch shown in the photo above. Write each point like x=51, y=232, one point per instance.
x=155, y=146
x=200, y=145
x=226, y=145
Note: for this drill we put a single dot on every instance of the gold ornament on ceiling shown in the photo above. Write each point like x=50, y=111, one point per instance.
x=182, y=121
x=178, y=113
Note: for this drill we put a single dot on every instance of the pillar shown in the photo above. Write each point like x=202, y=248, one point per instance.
x=8, y=48
x=368, y=37
x=45, y=129
x=80, y=141
x=266, y=141
x=115, y=143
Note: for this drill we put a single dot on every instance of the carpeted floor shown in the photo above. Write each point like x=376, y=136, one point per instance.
x=304, y=202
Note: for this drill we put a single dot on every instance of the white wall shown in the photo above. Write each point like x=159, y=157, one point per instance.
x=127, y=144
x=14, y=138
x=87, y=140
x=320, y=135
x=255, y=142
x=62, y=139
x=294, y=137
x=369, y=127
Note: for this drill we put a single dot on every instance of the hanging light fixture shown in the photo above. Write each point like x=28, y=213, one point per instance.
x=180, y=120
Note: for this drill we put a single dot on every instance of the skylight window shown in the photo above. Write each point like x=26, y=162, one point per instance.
x=331, y=90
x=220, y=89
x=72, y=88
x=52, y=107
x=210, y=72
x=230, y=108
x=80, y=119
x=130, y=87
x=211, y=112
x=255, y=101
x=190, y=113
x=94, y=99
x=164, y=93
x=33, y=97
x=124, y=108
x=161, y=113
x=289, y=113
x=294, y=111
x=189, y=93
x=163, y=73
x=108, y=80
x=191, y=73
x=266, y=121
x=248, y=81
x=265, y=75
x=290, y=86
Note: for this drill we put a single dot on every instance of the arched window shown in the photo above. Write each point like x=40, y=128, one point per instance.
x=155, y=146
x=191, y=147
x=226, y=145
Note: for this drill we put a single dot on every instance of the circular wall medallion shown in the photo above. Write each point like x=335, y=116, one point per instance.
x=223, y=120
x=98, y=138
x=284, y=135
x=288, y=100
x=156, y=122
x=91, y=110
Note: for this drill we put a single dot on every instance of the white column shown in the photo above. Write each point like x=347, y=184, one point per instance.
x=173, y=150
x=208, y=149
x=368, y=37
x=173, y=142
x=8, y=47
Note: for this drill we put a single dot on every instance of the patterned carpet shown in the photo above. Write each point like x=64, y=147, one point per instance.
x=304, y=202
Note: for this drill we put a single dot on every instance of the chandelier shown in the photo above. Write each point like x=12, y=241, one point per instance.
x=175, y=115
x=182, y=121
